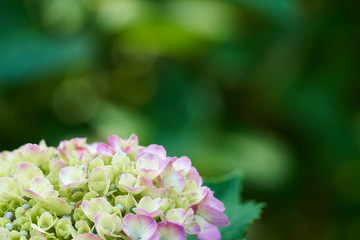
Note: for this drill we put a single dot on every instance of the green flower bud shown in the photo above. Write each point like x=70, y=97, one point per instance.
x=90, y=195
x=9, y=226
x=36, y=211
x=24, y=233
x=99, y=181
x=16, y=224
x=117, y=210
x=19, y=212
x=121, y=161
x=97, y=162
x=79, y=215
x=126, y=201
x=45, y=222
x=65, y=193
x=63, y=228
x=77, y=196
x=59, y=206
x=9, y=215
x=14, y=204
x=4, y=207
x=82, y=226
x=15, y=235
x=31, y=202
x=4, y=221
x=26, y=226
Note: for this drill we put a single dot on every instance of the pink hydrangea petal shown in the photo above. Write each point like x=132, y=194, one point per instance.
x=87, y=236
x=148, y=206
x=76, y=144
x=33, y=194
x=154, y=149
x=212, y=201
x=104, y=150
x=174, y=179
x=193, y=228
x=148, y=173
x=151, y=190
x=150, y=165
x=56, y=164
x=72, y=176
x=115, y=143
x=171, y=231
x=189, y=216
x=77, y=184
x=133, y=140
x=194, y=175
x=134, y=190
x=139, y=226
x=208, y=230
x=183, y=165
x=212, y=215
x=73, y=144
x=197, y=196
x=152, y=214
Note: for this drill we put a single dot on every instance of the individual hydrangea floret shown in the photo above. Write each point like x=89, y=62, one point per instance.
x=102, y=191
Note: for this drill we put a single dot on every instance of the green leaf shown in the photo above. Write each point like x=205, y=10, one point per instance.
x=240, y=215
x=280, y=11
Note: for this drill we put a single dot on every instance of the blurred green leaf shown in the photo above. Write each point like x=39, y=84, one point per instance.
x=280, y=11
x=28, y=54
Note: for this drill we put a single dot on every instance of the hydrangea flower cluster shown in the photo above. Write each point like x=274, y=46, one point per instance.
x=118, y=190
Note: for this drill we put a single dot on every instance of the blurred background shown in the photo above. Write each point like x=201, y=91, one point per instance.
x=268, y=87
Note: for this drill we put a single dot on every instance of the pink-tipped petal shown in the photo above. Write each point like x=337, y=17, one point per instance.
x=72, y=176
x=212, y=201
x=115, y=142
x=56, y=164
x=133, y=140
x=148, y=206
x=139, y=226
x=154, y=149
x=134, y=190
x=32, y=194
x=193, y=228
x=174, y=180
x=87, y=236
x=183, y=165
x=212, y=215
x=194, y=175
x=208, y=231
x=151, y=190
x=104, y=150
x=152, y=214
x=150, y=165
x=25, y=172
x=171, y=231
x=95, y=206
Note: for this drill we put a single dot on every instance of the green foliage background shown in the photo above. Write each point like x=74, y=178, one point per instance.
x=268, y=87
